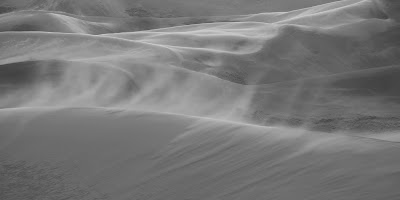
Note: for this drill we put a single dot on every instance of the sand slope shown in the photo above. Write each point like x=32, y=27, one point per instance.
x=261, y=63
x=116, y=154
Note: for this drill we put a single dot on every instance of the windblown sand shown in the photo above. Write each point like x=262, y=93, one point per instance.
x=301, y=105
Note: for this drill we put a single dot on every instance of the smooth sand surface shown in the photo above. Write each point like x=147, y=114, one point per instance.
x=301, y=105
x=98, y=153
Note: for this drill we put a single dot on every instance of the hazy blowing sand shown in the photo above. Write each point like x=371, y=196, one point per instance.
x=96, y=104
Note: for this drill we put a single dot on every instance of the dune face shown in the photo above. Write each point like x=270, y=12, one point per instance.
x=97, y=104
x=294, y=67
x=164, y=8
x=119, y=154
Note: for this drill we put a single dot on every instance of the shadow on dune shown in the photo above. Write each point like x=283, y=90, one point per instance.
x=4, y=9
x=54, y=81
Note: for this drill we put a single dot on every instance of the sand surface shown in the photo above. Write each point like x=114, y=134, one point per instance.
x=302, y=104
x=97, y=153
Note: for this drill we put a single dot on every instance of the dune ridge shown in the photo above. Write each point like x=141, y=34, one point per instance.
x=249, y=58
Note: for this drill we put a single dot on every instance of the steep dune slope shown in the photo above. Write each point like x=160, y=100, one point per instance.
x=116, y=154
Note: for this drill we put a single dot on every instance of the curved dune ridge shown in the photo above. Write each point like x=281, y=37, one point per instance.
x=95, y=104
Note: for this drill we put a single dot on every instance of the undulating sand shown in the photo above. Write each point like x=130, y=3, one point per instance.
x=296, y=105
x=98, y=153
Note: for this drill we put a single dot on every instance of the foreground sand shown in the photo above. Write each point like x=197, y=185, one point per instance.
x=97, y=153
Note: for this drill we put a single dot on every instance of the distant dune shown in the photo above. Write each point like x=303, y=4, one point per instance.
x=98, y=104
x=271, y=63
x=109, y=8
x=164, y=8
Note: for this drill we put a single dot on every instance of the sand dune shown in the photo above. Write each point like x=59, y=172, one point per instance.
x=166, y=8
x=221, y=7
x=88, y=154
x=80, y=7
x=265, y=64
x=77, y=161
x=303, y=104
x=214, y=47
x=360, y=101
